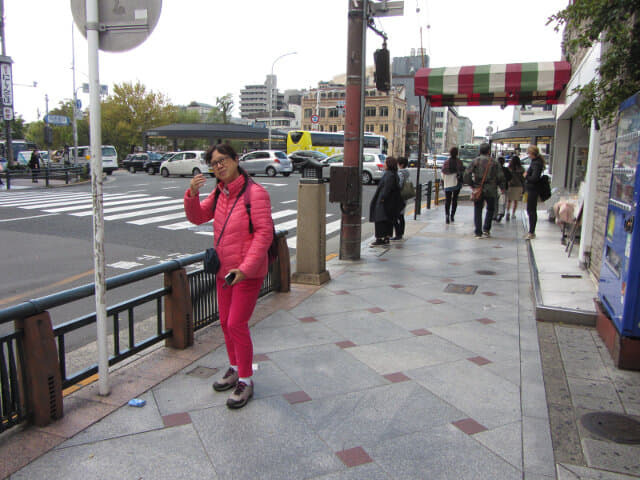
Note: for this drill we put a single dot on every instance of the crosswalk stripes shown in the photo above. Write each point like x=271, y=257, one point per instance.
x=140, y=209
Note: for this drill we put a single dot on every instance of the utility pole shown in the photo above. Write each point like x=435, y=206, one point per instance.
x=75, y=100
x=7, y=122
x=351, y=225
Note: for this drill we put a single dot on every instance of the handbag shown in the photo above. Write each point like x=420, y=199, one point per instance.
x=476, y=192
x=408, y=190
x=544, y=188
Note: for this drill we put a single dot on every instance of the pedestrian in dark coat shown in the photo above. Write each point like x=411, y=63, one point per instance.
x=532, y=179
x=34, y=165
x=452, y=172
x=493, y=180
x=386, y=203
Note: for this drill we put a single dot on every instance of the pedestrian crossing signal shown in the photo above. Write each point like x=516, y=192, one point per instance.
x=383, y=69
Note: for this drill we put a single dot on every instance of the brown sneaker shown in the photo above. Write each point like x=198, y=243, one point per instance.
x=228, y=381
x=240, y=395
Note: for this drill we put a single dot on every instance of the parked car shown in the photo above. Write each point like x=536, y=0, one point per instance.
x=372, y=166
x=269, y=162
x=184, y=163
x=300, y=157
x=135, y=162
x=152, y=165
x=412, y=160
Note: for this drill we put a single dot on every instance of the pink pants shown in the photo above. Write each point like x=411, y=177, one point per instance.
x=236, y=305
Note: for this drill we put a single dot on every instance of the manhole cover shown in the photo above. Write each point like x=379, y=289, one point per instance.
x=613, y=426
x=485, y=272
x=458, y=288
x=202, y=372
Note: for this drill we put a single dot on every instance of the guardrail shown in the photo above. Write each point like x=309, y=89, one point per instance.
x=34, y=358
x=68, y=174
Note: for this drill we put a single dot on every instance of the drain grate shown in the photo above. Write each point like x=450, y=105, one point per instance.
x=613, y=426
x=485, y=272
x=202, y=372
x=459, y=288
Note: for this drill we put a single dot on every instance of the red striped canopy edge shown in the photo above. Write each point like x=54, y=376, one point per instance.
x=496, y=84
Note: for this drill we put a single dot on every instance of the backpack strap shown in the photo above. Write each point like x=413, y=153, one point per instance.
x=247, y=202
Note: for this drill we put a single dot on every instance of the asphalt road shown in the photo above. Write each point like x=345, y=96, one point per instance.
x=47, y=247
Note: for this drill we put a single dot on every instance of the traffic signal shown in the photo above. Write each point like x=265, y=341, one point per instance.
x=383, y=69
x=48, y=135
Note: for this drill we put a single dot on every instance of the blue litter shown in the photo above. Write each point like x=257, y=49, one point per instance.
x=137, y=402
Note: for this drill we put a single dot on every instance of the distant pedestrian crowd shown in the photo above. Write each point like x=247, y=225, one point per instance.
x=497, y=185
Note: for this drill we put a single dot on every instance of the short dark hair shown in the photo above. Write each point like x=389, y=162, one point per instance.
x=223, y=148
x=485, y=149
x=453, y=153
x=403, y=162
x=392, y=164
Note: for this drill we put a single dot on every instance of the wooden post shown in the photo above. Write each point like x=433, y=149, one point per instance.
x=178, y=309
x=42, y=382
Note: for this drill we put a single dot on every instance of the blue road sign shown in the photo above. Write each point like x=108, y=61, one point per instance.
x=56, y=119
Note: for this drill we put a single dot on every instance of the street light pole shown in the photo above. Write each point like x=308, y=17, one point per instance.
x=271, y=92
x=75, y=98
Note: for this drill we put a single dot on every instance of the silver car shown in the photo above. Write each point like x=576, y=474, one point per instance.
x=372, y=166
x=267, y=162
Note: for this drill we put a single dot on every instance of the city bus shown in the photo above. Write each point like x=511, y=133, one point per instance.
x=331, y=143
x=17, y=146
x=467, y=152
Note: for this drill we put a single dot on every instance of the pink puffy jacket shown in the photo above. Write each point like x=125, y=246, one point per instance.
x=238, y=248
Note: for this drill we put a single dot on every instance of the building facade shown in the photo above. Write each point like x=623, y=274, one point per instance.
x=385, y=113
x=254, y=99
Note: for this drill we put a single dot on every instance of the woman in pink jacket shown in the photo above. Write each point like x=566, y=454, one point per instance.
x=242, y=250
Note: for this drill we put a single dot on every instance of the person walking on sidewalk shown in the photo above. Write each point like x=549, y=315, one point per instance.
x=386, y=203
x=243, y=255
x=403, y=176
x=484, y=172
x=34, y=165
x=515, y=185
x=452, y=171
x=532, y=179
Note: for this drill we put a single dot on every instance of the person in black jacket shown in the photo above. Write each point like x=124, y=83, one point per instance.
x=34, y=165
x=386, y=203
x=532, y=179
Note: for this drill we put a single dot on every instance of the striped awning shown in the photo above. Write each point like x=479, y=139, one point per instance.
x=501, y=84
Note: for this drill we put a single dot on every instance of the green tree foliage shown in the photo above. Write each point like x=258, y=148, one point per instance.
x=129, y=112
x=616, y=23
x=225, y=105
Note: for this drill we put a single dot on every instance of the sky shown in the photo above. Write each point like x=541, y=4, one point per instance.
x=203, y=49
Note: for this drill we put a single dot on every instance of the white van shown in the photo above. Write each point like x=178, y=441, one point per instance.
x=109, y=157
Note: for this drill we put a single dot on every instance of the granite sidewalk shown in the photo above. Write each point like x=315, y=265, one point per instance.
x=421, y=360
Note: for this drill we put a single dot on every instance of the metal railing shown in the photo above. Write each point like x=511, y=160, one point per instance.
x=68, y=174
x=124, y=341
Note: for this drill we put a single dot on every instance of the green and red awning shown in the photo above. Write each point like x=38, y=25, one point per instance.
x=498, y=84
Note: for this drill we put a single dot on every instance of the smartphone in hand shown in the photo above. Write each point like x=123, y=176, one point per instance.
x=229, y=278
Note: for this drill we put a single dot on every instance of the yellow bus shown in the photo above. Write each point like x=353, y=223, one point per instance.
x=331, y=143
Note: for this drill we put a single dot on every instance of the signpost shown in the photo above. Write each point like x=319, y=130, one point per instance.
x=56, y=120
x=114, y=29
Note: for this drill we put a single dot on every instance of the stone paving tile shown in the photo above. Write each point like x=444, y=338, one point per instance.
x=505, y=441
x=18, y=448
x=273, y=438
x=428, y=316
x=577, y=472
x=483, y=396
x=147, y=455
x=354, y=457
x=368, y=417
x=124, y=421
x=363, y=327
x=611, y=456
x=319, y=305
x=370, y=471
x=536, y=446
x=445, y=452
x=326, y=370
x=407, y=354
x=295, y=336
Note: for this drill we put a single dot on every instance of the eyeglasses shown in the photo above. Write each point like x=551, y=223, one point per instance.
x=218, y=163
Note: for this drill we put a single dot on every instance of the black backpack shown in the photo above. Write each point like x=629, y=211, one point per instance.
x=544, y=188
x=272, y=252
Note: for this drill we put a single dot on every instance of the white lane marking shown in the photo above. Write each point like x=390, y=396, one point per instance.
x=143, y=212
x=25, y=196
x=39, y=200
x=289, y=201
x=27, y=218
x=170, y=188
x=147, y=202
x=283, y=213
x=125, y=265
x=292, y=242
x=209, y=233
x=331, y=227
x=177, y=226
x=61, y=203
x=146, y=221
x=273, y=184
x=108, y=203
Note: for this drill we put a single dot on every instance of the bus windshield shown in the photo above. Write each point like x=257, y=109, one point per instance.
x=17, y=147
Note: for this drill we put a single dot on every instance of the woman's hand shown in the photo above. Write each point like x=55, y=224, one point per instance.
x=239, y=276
x=196, y=184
